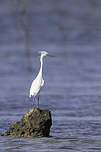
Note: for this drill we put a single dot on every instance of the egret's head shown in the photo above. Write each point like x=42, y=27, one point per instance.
x=45, y=53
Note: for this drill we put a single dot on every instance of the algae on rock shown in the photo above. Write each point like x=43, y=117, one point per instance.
x=35, y=123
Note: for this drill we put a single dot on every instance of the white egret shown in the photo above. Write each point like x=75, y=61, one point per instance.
x=38, y=82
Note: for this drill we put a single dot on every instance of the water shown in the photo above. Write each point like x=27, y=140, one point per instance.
x=71, y=31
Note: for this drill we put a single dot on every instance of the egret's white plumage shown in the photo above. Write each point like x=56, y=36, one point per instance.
x=38, y=82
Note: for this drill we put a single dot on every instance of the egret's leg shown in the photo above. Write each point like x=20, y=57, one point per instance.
x=38, y=100
x=33, y=100
x=38, y=95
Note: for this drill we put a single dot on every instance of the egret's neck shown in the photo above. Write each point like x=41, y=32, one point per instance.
x=41, y=62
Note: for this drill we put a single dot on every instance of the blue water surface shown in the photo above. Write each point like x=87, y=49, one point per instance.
x=71, y=30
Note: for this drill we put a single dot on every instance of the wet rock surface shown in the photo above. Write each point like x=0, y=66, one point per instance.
x=35, y=123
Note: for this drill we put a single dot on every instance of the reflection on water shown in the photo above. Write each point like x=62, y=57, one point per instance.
x=72, y=89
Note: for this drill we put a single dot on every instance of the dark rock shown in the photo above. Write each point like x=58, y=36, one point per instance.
x=35, y=123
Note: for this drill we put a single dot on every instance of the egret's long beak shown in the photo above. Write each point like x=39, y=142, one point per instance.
x=50, y=55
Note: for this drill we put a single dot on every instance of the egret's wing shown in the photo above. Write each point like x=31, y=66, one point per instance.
x=42, y=83
x=35, y=87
